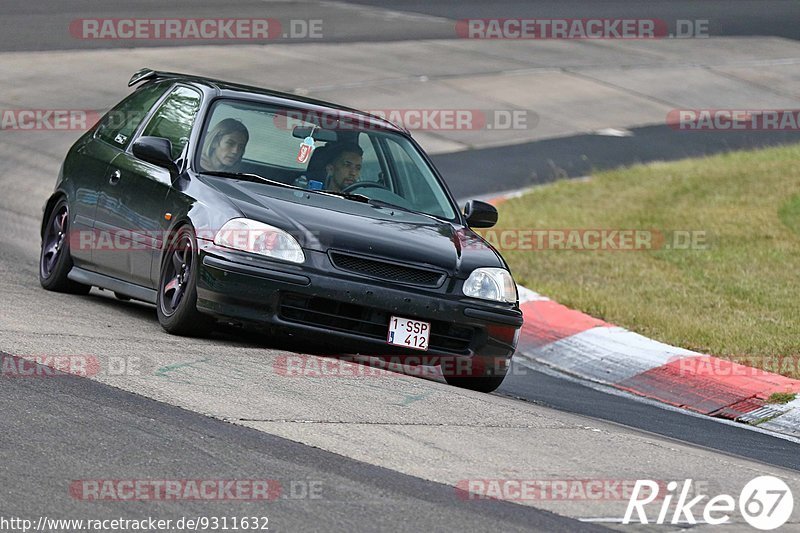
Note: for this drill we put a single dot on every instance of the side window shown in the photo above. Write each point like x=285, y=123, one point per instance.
x=121, y=122
x=174, y=119
x=370, y=166
x=413, y=185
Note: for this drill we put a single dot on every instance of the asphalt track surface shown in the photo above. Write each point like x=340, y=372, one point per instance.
x=41, y=25
x=523, y=165
x=725, y=17
x=137, y=438
x=571, y=396
x=56, y=430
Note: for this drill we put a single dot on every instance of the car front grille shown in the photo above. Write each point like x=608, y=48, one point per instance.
x=386, y=270
x=367, y=321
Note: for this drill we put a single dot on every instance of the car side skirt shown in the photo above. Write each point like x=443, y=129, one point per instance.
x=137, y=292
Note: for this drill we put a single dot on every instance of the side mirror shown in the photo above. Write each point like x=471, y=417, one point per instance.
x=480, y=214
x=155, y=150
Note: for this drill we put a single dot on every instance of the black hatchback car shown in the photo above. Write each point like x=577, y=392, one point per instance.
x=222, y=202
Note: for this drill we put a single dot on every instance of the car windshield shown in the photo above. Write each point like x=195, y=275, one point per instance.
x=323, y=152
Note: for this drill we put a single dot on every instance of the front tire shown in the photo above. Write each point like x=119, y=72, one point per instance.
x=55, y=261
x=484, y=374
x=176, y=304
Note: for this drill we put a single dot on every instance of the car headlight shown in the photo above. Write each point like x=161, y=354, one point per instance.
x=259, y=238
x=491, y=284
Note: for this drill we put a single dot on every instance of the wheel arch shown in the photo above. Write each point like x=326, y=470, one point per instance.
x=170, y=234
x=48, y=208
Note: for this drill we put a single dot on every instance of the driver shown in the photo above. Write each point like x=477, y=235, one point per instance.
x=224, y=146
x=344, y=166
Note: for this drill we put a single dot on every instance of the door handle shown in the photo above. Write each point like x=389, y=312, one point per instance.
x=115, y=177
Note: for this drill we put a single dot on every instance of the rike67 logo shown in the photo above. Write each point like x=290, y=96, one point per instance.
x=765, y=502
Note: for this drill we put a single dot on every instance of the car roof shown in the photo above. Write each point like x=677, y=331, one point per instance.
x=232, y=89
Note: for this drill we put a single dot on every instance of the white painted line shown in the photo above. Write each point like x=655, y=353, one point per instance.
x=614, y=132
x=608, y=389
x=619, y=521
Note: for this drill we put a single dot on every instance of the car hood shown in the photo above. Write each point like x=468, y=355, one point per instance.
x=321, y=222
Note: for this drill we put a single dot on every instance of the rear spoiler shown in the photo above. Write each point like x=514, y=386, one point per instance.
x=145, y=74
x=142, y=75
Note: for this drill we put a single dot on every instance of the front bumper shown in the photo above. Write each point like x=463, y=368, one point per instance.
x=319, y=302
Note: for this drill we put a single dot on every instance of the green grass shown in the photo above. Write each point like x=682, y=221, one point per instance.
x=738, y=297
x=781, y=397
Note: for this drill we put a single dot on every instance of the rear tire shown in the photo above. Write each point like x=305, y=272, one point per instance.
x=55, y=261
x=176, y=303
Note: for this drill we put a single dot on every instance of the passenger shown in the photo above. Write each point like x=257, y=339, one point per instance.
x=224, y=146
x=344, y=166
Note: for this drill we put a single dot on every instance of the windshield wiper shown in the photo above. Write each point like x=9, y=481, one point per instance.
x=250, y=176
x=247, y=176
x=389, y=205
x=346, y=195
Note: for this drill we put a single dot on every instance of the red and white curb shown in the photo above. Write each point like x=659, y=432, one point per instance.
x=588, y=348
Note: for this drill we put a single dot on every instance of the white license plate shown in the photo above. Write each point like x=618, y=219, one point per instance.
x=409, y=333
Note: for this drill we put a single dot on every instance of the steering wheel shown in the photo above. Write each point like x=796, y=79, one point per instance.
x=387, y=196
x=364, y=185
